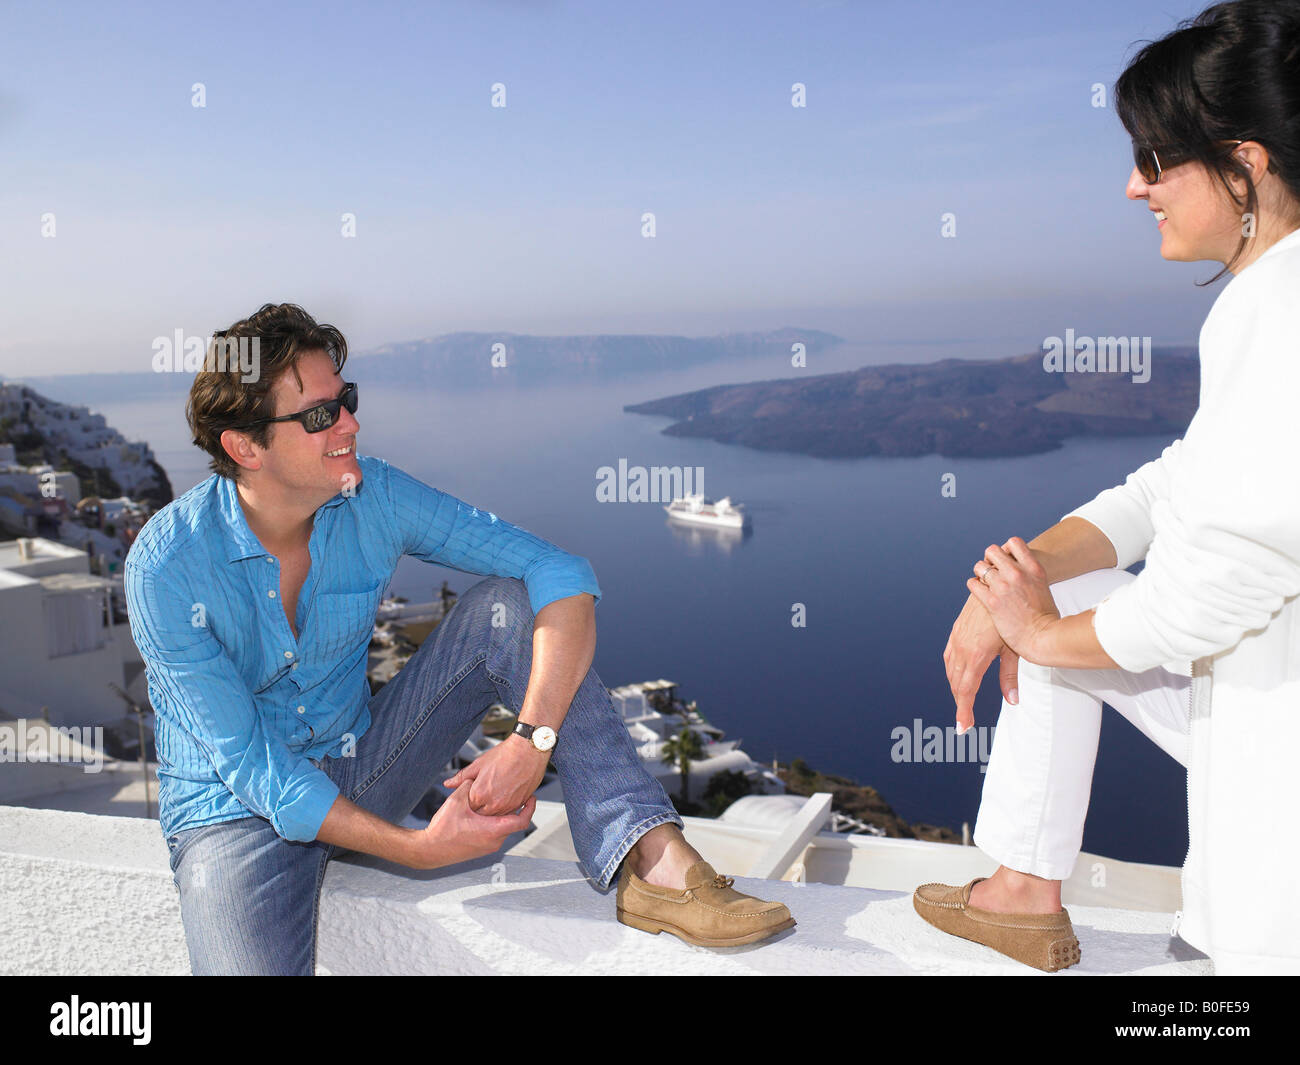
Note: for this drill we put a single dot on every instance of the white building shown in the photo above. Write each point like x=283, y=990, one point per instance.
x=66, y=639
x=650, y=728
x=40, y=481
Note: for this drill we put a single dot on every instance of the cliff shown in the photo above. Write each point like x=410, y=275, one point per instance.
x=956, y=408
x=43, y=430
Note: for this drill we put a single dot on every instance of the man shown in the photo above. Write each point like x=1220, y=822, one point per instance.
x=252, y=599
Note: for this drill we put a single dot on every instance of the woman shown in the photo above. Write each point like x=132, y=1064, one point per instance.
x=1214, y=113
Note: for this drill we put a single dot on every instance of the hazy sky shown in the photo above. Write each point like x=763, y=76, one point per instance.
x=527, y=217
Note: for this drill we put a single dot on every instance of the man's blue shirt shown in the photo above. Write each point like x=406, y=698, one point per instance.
x=242, y=706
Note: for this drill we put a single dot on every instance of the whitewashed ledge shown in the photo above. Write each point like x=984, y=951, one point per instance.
x=85, y=894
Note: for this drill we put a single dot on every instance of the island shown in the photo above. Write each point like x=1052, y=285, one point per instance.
x=475, y=359
x=957, y=408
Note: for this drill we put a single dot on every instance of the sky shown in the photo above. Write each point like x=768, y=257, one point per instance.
x=528, y=217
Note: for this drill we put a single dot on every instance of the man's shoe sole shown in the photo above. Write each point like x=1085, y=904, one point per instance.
x=645, y=924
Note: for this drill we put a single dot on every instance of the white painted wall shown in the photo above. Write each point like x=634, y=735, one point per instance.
x=82, y=894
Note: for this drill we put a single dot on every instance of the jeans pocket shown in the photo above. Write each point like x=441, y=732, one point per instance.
x=181, y=842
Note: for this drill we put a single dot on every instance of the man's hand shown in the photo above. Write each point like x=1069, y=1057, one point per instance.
x=504, y=777
x=457, y=833
x=974, y=643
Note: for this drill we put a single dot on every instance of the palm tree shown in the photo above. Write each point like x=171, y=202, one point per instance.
x=683, y=748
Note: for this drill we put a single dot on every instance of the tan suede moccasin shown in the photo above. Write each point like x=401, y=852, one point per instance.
x=1043, y=940
x=709, y=912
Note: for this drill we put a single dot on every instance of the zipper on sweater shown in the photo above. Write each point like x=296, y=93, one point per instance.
x=1191, y=705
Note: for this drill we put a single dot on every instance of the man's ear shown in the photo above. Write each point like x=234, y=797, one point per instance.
x=242, y=451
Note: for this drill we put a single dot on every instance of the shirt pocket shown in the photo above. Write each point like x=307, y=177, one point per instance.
x=342, y=622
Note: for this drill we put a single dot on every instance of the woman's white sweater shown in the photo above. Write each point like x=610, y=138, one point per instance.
x=1217, y=518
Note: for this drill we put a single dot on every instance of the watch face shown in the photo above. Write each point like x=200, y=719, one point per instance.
x=544, y=738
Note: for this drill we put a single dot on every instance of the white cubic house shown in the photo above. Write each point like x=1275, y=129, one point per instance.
x=66, y=641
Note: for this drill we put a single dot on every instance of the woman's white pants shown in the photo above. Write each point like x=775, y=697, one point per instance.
x=1039, y=774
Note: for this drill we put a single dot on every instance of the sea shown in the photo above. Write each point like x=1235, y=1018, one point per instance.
x=819, y=633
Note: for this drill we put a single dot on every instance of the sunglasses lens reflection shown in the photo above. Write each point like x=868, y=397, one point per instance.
x=318, y=419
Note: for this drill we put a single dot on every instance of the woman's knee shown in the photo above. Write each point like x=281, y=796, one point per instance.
x=1077, y=594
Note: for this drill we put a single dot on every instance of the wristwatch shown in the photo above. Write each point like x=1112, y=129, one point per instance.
x=542, y=737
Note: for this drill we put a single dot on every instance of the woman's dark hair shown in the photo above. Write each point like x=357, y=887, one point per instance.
x=1230, y=73
x=221, y=398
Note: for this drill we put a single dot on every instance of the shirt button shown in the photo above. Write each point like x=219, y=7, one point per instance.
x=301, y=709
x=288, y=654
x=270, y=559
x=271, y=594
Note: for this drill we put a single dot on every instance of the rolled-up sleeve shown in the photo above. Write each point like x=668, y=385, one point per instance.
x=1225, y=550
x=201, y=693
x=1123, y=513
x=436, y=527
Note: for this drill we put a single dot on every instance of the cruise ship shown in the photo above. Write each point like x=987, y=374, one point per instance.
x=697, y=510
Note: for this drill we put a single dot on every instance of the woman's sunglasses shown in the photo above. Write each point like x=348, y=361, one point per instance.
x=319, y=418
x=1151, y=162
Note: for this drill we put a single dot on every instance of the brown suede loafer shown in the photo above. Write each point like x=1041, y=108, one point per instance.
x=709, y=912
x=1043, y=940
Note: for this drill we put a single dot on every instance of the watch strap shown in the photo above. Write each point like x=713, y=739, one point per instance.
x=526, y=731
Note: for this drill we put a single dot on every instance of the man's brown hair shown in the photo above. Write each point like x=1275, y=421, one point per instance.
x=221, y=399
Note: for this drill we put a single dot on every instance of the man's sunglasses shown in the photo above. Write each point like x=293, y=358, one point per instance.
x=1151, y=162
x=319, y=418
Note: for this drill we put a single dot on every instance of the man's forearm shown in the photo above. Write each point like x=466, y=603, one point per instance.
x=357, y=829
x=564, y=644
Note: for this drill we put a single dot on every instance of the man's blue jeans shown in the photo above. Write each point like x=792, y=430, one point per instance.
x=249, y=898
